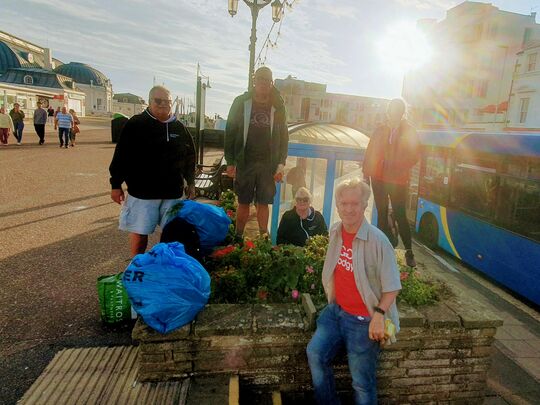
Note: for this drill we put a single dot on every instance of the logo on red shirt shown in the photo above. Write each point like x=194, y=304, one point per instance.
x=347, y=295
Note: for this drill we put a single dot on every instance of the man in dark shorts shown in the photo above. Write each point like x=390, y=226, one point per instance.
x=256, y=142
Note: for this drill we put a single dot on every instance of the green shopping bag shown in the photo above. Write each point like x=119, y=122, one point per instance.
x=113, y=300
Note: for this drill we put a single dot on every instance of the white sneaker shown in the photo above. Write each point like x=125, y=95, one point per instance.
x=18, y=143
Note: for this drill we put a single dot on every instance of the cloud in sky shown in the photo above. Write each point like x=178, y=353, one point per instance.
x=338, y=10
x=133, y=41
x=429, y=4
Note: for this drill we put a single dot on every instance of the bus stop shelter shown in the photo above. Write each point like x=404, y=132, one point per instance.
x=332, y=153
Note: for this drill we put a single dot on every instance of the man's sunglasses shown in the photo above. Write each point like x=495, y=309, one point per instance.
x=263, y=80
x=160, y=101
x=302, y=199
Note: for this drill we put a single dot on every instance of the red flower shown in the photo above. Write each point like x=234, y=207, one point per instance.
x=404, y=276
x=262, y=294
x=230, y=214
x=249, y=245
x=220, y=253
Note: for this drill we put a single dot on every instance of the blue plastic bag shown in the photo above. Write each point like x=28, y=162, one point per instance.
x=211, y=222
x=166, y=286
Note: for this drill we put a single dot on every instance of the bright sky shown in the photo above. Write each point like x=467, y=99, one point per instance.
x=343, y=43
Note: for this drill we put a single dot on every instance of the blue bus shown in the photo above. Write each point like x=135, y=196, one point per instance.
x=477, y=196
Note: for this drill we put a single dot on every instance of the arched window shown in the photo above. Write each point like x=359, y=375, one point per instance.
x=28, y=79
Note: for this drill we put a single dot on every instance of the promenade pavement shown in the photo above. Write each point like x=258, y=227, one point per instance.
x=514, y=376
x=58, y=231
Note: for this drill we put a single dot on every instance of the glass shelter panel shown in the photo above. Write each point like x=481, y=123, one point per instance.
x=302, y=172
x=320, y=157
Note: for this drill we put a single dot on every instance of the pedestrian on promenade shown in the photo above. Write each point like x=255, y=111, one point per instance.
x=17, y=116
x=6, y=126
x=297, y=175
x=75, y=130
x=301, y=222
x=50, y=113
x=155, y=157
x=392, y=152
x=256, y=142
x=361, y=281
x=40, y=119
x=63, y=122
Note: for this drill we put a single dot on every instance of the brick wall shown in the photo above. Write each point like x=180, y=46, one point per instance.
x=442, y=353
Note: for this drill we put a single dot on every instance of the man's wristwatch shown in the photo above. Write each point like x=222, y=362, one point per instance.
x=379, y=310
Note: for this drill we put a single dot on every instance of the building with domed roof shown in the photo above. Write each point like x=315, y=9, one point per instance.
x=95, y=85
x=27, y=76
x=29, y=73
x=128, y=104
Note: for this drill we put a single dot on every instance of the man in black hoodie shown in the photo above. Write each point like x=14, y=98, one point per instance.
x=155, y=157
x=256, y=142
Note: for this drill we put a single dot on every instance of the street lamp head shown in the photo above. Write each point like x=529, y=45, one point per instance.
x=277, y=9
x=233, y=7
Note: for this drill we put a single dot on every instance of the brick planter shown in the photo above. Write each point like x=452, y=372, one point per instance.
x=442, y=353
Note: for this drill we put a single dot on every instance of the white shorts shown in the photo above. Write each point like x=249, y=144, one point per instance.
x=142, y=216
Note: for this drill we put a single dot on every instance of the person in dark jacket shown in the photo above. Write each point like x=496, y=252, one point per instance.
x=296, y=177
x=302, y=222
x=50, y=114
x=40, y=119
x=155, y=157
x=17, y=116
x=256, y=142
x=392, y=151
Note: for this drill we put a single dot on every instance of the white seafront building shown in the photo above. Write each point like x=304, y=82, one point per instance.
x=29, y=73
x=310, y=102
x=524, y=99
x=468, y=82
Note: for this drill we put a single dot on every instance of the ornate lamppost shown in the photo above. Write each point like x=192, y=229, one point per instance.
x=255, y=6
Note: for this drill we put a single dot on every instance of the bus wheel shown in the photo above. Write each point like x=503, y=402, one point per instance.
x=429, y=230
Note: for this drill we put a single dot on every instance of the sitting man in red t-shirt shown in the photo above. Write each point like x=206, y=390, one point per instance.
x=361, y=280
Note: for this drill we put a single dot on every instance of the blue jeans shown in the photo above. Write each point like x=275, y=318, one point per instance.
x=63, y=133
x=19, y=126
x=336, y=329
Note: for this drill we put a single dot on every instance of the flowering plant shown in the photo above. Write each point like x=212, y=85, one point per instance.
x=265, y=272
x=417, y=289
x=227, y=201
x=256, y=271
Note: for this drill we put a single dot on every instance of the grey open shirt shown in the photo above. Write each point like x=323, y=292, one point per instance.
x=374, y=266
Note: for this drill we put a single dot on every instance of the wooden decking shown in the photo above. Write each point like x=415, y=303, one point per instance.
x=100, y=375
x=107, y=376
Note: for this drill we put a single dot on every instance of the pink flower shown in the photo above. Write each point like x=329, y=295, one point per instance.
x=404, y=276
x=309, y=269
x=295, y=294
x=312, y=286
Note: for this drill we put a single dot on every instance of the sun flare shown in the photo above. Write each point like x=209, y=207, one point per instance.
x=403, y=48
